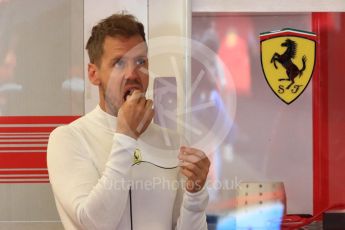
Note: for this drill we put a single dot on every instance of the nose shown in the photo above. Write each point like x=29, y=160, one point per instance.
x=131, y=71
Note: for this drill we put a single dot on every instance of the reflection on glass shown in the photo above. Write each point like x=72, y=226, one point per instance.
x=264, y=135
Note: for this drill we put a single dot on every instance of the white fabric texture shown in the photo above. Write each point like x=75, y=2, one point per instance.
x=90, y=170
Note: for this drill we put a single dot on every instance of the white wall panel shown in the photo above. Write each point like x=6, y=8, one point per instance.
x=41, y=74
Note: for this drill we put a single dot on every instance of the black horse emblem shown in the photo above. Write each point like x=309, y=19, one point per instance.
x=285, y=59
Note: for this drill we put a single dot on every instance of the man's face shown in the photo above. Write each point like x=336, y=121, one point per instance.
x=123, y=68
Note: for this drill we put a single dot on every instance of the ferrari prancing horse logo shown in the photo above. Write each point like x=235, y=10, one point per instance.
x=137, y=158
x=288, y=59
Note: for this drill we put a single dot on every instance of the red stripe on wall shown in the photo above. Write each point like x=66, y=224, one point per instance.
x=37, y=119
x=23, y=152
x=25, y=182
x=23, y=160
x=23, y=177
x=12, y=172
x=23, y=142
x=21, y=148
x=23, y=138
x=26, y=129
x=46, y=134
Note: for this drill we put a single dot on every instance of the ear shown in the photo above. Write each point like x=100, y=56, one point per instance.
x=94, y=77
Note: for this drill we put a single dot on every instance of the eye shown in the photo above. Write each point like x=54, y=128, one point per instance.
x=119, y=64
x=141, y=61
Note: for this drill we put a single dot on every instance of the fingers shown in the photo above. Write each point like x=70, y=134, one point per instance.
x=194, y=156
x=196, y=177
x=148, y=114
x=189, y=174
x=193, y=184
x=194, y=168
x=135, y=115
x=146, y=121
x=149, y=104
x=137, y=96
x=189, y=158
x=193, y=151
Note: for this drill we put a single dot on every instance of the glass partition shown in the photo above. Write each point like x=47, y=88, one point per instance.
x=267, y=152
x=264, y=135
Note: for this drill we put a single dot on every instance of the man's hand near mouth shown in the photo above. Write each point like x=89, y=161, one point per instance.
x=135, y=114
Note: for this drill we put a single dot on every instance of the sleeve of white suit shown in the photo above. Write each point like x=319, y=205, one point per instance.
x=87, y=197
x=192, y=214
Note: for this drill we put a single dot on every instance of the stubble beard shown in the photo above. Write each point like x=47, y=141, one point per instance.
x=109, y=105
